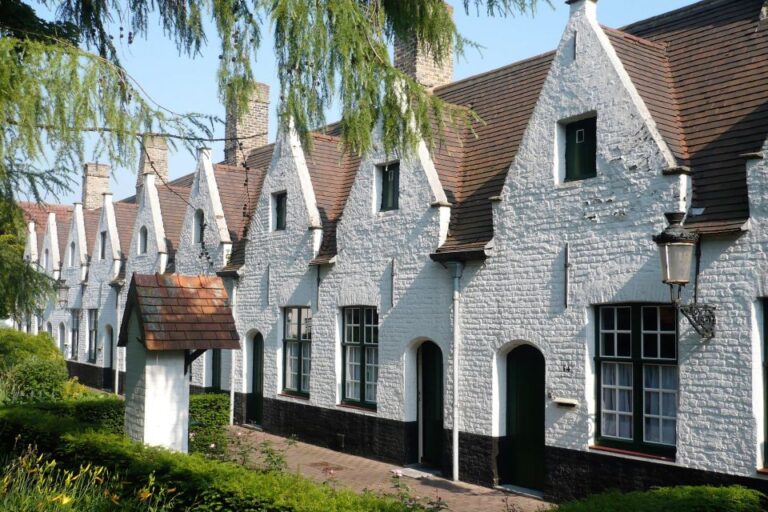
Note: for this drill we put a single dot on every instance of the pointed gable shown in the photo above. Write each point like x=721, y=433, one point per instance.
x=125, y=217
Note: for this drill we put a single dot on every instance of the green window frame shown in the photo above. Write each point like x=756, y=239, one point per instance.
x=390, y=186
x=581, y=149
x=297, y=350
x=637, y=381
x=216, y=369
x=74, y=328
x=281, y=209
x=93, y=329
x=360, y=355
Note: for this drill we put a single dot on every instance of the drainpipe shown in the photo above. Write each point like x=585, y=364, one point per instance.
x=115, y=336
x=233, y=304
x=457, y=269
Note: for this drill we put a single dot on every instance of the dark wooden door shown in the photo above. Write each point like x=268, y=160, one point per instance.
x=256, y=402
x=431, y=404
x=521, y=453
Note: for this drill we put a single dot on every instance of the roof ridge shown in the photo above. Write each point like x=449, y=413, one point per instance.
x=665, y=16
x=633, y=37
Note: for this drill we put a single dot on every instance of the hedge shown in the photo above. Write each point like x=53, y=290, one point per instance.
x=16, y=346
x=674, y=499
x=201, y=484
x=208, y=422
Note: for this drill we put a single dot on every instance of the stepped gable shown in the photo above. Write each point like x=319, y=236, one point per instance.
x=180, y=313
x=504, y=99
x=718, y=56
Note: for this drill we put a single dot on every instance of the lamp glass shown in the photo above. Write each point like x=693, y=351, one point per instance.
x=676, y=260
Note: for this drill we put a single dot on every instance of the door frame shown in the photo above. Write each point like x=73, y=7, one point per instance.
x=420, y=395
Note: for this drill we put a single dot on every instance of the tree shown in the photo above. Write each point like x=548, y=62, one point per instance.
x=61, y=82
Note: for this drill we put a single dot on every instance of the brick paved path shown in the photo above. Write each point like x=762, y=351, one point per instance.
x=358, y=473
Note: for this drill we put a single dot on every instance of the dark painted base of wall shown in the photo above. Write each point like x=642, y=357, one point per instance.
x=349, y=432
x=570, y=474
x=96, y=376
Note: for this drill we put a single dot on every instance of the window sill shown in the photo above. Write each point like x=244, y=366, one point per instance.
x=357, y=407
x=762, y=471
x=631, y=453
x=290, y=394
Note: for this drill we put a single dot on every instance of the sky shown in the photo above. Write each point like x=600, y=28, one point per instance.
x=189, y=85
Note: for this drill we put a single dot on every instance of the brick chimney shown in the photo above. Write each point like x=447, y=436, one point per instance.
x=251, y=131
x=419, y=64
x=154, y=159
x=95, y=184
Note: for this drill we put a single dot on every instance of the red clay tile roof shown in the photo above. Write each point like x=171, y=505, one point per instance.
x=63, y=224
x=504, y=99
x=91, y=220
x=125, y=216
x=173, y=208
x=181, y=313
x=38, y=213
x=718, y=56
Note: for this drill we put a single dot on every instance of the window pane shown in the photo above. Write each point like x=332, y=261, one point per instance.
x=353, y=373
x=652, y=430
x=623, y=319
x=668, y=319
x=609, y=425
x=625, y=426
x=292, y=366
x=306, y=365
x=669, y=432
x=607, y=315
x=625, y=400
x=291, y=323
x=669, y=378
x=668, y=346
x=616, y=403
x=371, y=373
x=609, y=400
x=650, y=345
x=306, y=324
x=625, y=374
x=608, y=344
x=624, y=344
x=609, y=374
x=650, y=319
x=669, y=405
x=651, y=376
x=652, y=405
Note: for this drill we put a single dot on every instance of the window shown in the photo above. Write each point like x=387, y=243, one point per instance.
x=143, y=240
x=63, y=338
x=45, y=260
x=199, y=227
x=297, y=349
x=92, y=332
x=280, y=209
x=581, y=150
x=390, y=186
x=72, y=254
x=216, y=369
x=361, y=355
x=103, y=245
x=637, y=378
x=74, y=336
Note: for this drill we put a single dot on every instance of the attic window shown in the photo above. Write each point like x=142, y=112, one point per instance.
x=279, y=210
x=72, y=254
x=143, y=240
x=102, y=245
x=581, y=149
x=45, y=260
x=199, y=226
x=389, y=176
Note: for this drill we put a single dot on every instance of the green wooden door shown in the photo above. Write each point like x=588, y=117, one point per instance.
x=255, y=407
x=431, y=404
x=521, y=452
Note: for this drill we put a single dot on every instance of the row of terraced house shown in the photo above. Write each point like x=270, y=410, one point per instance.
x=493, y=306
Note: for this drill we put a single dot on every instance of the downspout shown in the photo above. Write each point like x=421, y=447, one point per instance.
x=233, y=303
x=114, y=342
x=457, y=269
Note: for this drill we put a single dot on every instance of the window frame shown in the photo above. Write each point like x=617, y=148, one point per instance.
x=198, y=225
x=302, y=343
x=363, y=400
x=74, y=334
x=390, y=194
x=72, y=249
x=93, y=331
x=103, y=245
x=143, y=241
x=280, y=210
x=638, y=362
x=586, y=126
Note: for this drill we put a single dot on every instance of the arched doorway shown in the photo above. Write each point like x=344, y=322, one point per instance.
x=521, y=451
x=255, y=407
x=430, y=411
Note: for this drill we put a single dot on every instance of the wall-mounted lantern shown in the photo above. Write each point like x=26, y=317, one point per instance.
x=677, y=246
x=62, y=292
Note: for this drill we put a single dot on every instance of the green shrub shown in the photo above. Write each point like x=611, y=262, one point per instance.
x=16, y=346
x=35, y=380
x=673, y=499
x=105, y=413
x=208, y=422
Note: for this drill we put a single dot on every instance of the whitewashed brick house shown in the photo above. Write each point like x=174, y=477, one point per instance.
x=493, y=307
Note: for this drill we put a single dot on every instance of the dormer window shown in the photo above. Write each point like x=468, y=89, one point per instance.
x=143, y=240
x=279, y=210
x=102, y=245
x=72, y=254
x=581, y=149
x=199, y=227
x=389, y=177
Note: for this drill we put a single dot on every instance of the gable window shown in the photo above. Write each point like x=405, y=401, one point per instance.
x=92, y=330
x=297, y=349
x=199, y=227
x=102, y=245
x=637, y=377
x=72, y=254
x=360, y=344
x=45, y=260
x=390, y=186
x=143, y=240
x=279, y=210
x=74, y=333
x=581, y=149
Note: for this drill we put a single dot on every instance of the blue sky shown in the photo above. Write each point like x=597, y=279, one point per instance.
x=189, y=85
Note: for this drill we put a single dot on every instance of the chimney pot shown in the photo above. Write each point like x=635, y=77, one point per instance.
x=95, y=184
x=251, y=130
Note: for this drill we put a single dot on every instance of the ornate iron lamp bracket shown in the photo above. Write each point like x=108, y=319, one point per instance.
x=702, y=318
